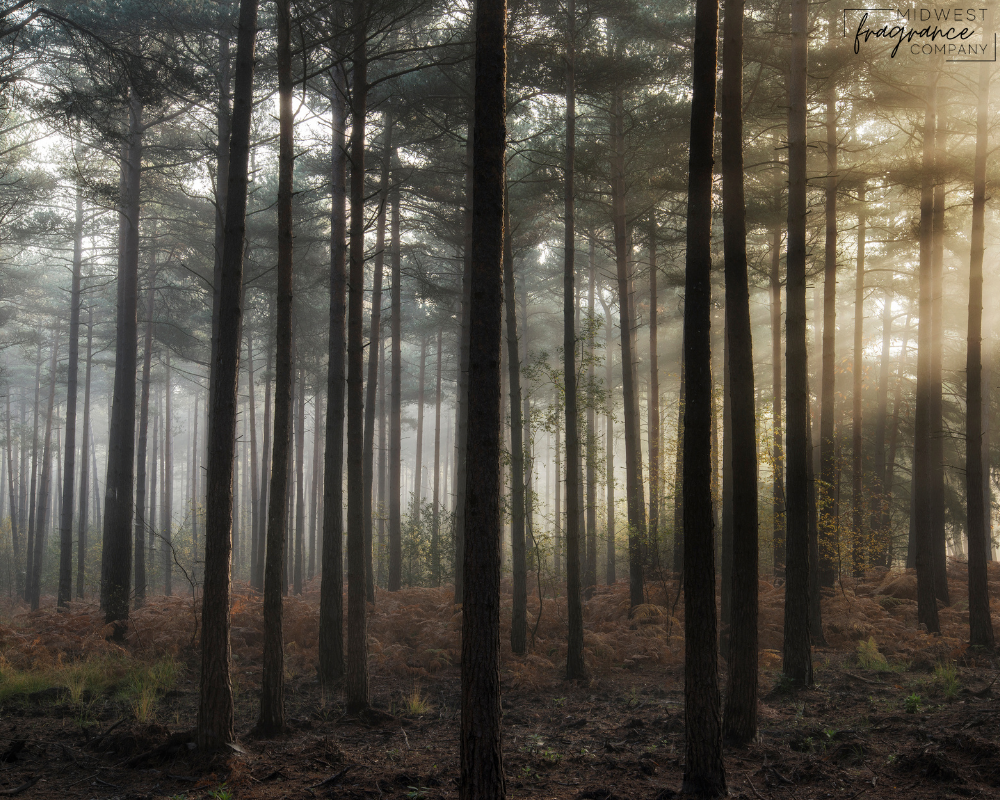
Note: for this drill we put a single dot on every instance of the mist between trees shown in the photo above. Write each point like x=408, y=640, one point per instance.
x=248, y=310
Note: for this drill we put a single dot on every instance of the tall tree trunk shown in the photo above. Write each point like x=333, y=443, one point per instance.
x=265, y=479
x=215, y=711
x=609, y=447
x=557, y=555
x=678, y=555
x=29, y=569
x=357, y=615
x=980, y=622
x=519, y=568
x=193, y=466
x=42, y=503
x=436, y=515
x=140, y=477
x=256, y=508
x=462, y=399
x=480, y=743
x=383, y=468
x=878, y=497
x=317, y=472
x=922, y=450
x=937, y=431
x=116, y=559
x=396, y=397
x=15, y=538
x=152, y=480
x=168, y=482
x=374, y=336
x=575, y=668
x=829, y=522
x=331, y=604
x=272, y=692
x=778, y=452
x=633, y=447
x=653, y=404
x=740, y=722
x=704, y=773
x=418, y=469
x=797, y=658
x=300, y=502
x=893, y=442
x=860, y=538
x=73, y=368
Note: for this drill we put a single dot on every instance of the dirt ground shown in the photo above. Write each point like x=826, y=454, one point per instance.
x=895, y=713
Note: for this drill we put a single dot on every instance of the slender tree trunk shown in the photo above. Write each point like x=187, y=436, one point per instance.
x=396, y=401
x=140, y=477
x=272, y=693
x=265, y=480
x=257, y=526
x=740, y=722
x=922, y=450
x=417, y=474
x=481, y=758
x=194, y=490
x=937, y=431
x=679, y=479
x=575, y=668
x=116, y=560
x=653, y=405
x=893, y=441
x=860, y=539
x=778, y=452
x=66, y=517
x=357, y=615
x=633, y=447
x=331, y=604
x=374, y=336
x=557, y=557
x=383, y=468
x=41, y=530
x=609, y=447
x=704, y=773
x=300, y=502
x=462, y=399
x=878, y=499
x=316, y=498
x=215, y=711
x=15, y=538
x=829, y=522
x=436, y=516
x=797, y=657
x=168, y=482
x=29, y=570
x=980, y=622
x=152, y=480
x=519, y=568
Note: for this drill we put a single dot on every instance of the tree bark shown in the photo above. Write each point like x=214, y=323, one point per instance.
x=879, y=501
x=66, y=521
x=374, y=337
x=653, y=404
x=418, y=469
x=395, y=426
x=740, y=721
x=15, y=538
x=140, y=477
x=575, y=668
x=300, y=502
x=980, y=622
x=116, y=559
x=937, y=430
x=829, y=522
x=29, y=568
x=436, y=514
x=860, y=534
x=357, y=614
x=633, y=447
x=609, y=447
x=797, y=658
x=271, y=721
x=168, y=483
x=331, y=604
x=519, y=568
x=922, y=451
x=41, y=532
x=482, y=776
x=704, y=773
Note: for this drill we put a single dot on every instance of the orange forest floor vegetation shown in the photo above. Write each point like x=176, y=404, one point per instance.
x=895, y=713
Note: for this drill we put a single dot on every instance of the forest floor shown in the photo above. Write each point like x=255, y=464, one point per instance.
x=895, y=713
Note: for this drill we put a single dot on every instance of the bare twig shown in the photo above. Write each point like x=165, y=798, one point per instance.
x=22, y=788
